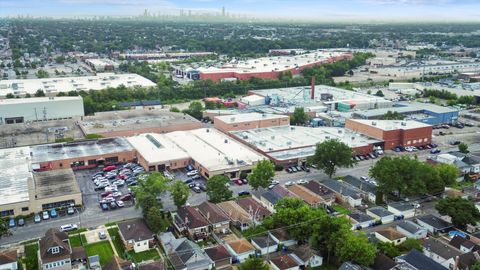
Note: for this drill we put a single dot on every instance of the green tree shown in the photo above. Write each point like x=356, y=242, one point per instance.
x=210, y=105
x=261, y=174
x=39, y=93
x=4, y=228
x=356, y=248
x=447, y=173
x=195, y=109
x=411, y=243
x=155, y=221
x=60, y=59
x=328, y=233
x=174, y=109
x=217, y=189
x=476, y=266
x=299, y=117
x=253, y=263
x=10, y=95
x=389, y=249
x=461, y=211
x=179, y=192
x=152, y=187
x=41, y=74
x=463, y=148
x=331, y=154
x=379, y=93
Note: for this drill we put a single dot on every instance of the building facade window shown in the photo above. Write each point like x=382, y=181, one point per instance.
x=55, y=250
x=111, y=159
x=24, y=209
x=6, y=213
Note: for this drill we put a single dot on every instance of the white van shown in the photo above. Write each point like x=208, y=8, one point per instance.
x=68, y=227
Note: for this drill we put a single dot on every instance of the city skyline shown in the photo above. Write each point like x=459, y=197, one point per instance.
x=309, y=10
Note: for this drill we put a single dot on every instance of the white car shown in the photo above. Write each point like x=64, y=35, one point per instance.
x=120, y=203
x=117, y=194
x=68, y=227
x=302, y=181
x=119, y=183
x=192, y=173
x=111, y=188
x=289, y=183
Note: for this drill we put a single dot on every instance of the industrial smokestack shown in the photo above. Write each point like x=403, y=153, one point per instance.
x=313, y=87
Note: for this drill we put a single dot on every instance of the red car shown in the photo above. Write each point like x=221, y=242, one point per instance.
x=109, y=168
x=105, y=194
x=126, y=197
x=239, y=182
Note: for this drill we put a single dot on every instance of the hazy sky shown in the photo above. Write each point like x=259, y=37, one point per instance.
x=420, y=10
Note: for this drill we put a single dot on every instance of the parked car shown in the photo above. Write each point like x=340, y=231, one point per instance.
x=120, y=204
x=53, y=213
x=239, y=182
x=68, y=227
x=37, y=218
x=455, y=142
x=192, y=173
x=289, y=183
x=104, y=206
x=109, y=168
x=435, y=151
x=102, y=235
x=113, y=205
x=12, y=223
x=21, y=222
x=245, y=181
x=105, y=194
x=70, y=210
x=243, y=193
x=197, y=189
x=117, y=194
x=126, y=197
x=45, y=215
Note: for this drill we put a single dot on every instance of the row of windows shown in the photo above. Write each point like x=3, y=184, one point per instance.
x=47, y=206
x=417, y=141
x=55, y=264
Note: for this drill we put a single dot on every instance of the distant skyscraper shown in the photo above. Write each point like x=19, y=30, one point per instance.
x=145, y=13
x=223, y=11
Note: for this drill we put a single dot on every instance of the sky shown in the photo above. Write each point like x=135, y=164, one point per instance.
x=320, y=10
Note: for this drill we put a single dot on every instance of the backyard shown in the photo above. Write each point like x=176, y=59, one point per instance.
x=77, y=240
x=102, y=249
x=117, y=241
x=31, y=258
x=151, y=254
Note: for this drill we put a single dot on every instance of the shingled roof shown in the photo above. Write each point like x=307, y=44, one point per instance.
x=192, y=217
x=54, y=238
x=212, y=213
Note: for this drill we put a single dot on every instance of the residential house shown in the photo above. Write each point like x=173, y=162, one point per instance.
x=350, y=266
x=264, y=243
x=8, y=260
x=217, y=219
x=306, y=256
x=411, y=230
x=344, y=192
x=400, y=209
x=267, y=198
x=467, y=260
x=360, y=220
x=383, y=262
x=310, y=198
x=463, y=244
x=220, y=256
x=382, y=214
x=190, y=222
x=284, y=262
x=416, y=260
x=282, y=237
x=433, y=224
x=240, y=249
x=390, y=235
x=367, y=189
x=471, y=160
x=326, y=194
x=257, y=211
x=184, y=254
x=239, y=217
x=282, y=192
x=55, y=252
x=94, y=262
x=135, y=235
x=440, y=251
x=117, y=263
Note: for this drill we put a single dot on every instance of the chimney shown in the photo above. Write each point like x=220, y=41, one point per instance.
x=313, y=87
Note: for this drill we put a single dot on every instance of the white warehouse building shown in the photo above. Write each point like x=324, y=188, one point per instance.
x=19, y=110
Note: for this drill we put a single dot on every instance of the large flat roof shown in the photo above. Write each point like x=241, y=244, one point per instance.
x=157, y=148
x=14, y=101
x=65, y=84
x=60, y=151
x=248, y=117
x=213, y=149
x=392, y=124
x=55, y=183
x=287, y=142
x=275, y=63
x=15, y=170
x=139, y=119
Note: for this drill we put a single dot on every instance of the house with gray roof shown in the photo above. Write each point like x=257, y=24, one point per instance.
x=411, y=230
x=416, y=260
x=401, y=209
x=184, y=254
x=382, y=214
x=367, y=189
x=434, y=224
x=347, y=193
x=441, y=252
x=360, y=220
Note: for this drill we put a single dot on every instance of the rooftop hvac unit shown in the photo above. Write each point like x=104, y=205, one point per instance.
x=327, y=137
x=208, y=130
x=289, y=143
x=404, y=123
x=273, y=137
x=374, y=123
x=226, y=141
x=353, y=138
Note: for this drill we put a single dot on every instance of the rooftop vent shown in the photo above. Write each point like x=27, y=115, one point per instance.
x=374, y=123
x=404, y=123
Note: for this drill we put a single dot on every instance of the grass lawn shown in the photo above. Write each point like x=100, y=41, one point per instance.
x=117, y=241
x=460, y=185
x=151, y=254
x=102, y=249
x=31, y=258
x=341, y=209
x=75, y=240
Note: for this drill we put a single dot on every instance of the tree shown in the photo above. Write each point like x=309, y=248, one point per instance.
x=60, y=59
x=253, y=263
x=389, y=249
x=210, y=105
x=4, y=228
x=463, y=148
x=461, y=211
x=447, y=173
x=147, y=191
x=476, y=266
x=155, y=221
x=299, y=117
x=39, y=93
x=261, y=174
x=217, y=189
x=179, y=192
x=379, y=93
x=41, y=74
x=411, y=243
x=356, y=248
x=174, y=109
x=331, y=154
x=195, y=109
